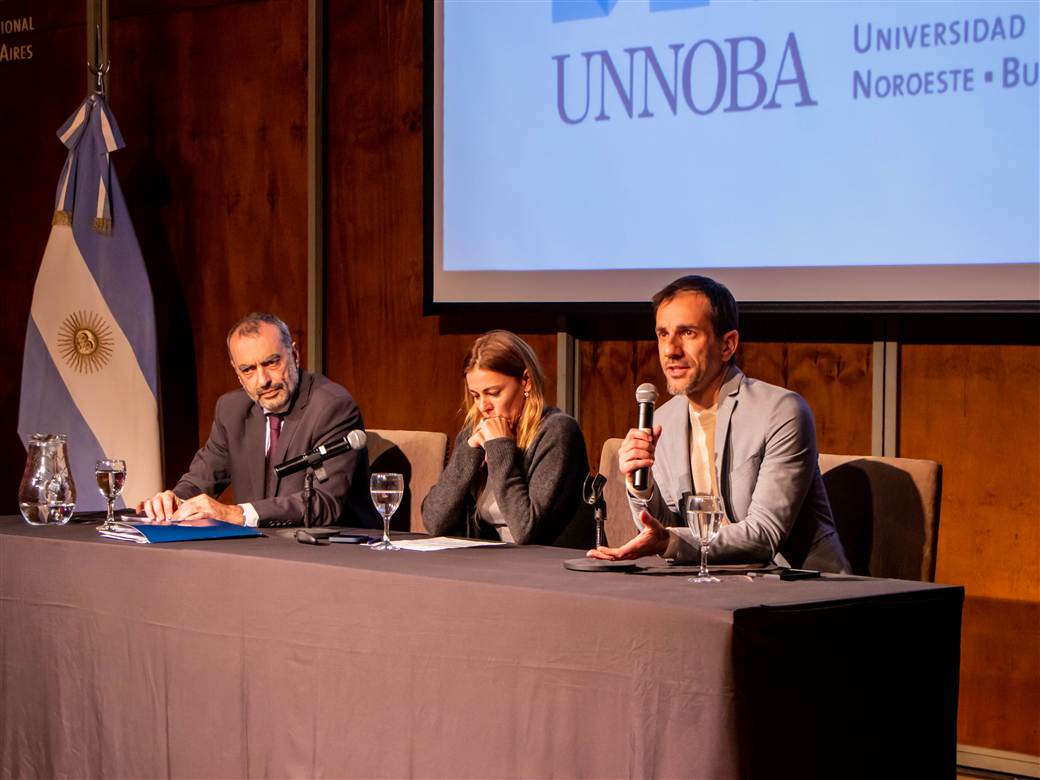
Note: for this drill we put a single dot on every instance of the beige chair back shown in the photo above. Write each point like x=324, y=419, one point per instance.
x=418, y=455
x=619, y=527
x=887, y=513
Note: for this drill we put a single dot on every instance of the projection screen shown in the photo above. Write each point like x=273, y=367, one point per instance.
x=827, y=152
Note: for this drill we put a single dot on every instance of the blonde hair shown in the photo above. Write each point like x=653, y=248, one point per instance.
x=506, y=353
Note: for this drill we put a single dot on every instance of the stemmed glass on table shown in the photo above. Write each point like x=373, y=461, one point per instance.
x=111, y=476
x=387, y=491
x=704, y=515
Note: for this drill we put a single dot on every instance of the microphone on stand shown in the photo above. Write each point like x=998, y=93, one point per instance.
x=646, y=397
x=355, y=440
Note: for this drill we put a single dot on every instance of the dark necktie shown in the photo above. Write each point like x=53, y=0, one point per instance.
x=270, y=480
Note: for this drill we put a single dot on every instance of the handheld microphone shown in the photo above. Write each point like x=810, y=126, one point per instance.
x=646, y=397
x=355, y=440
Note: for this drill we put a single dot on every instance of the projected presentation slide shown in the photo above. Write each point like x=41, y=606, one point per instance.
x=800, y=150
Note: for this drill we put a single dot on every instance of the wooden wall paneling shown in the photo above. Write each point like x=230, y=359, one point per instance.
x=38, y=92
x=377, y=344
x=403, y=368
x=835, y=379
x=610, y=373
x=212, y=101
x=1000, y=682
x=976, y=409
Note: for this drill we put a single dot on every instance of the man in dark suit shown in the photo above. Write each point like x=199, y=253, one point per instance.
x=280, y=412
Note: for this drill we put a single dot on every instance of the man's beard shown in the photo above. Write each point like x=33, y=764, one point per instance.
x=289, y=384
x=689, y=384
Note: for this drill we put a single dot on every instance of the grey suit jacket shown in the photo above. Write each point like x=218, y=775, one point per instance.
x=767, y=471
x=322, y=411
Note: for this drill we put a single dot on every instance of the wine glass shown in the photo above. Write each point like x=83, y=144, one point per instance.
x=704, y=515
x=111, y=476
x=387, y=491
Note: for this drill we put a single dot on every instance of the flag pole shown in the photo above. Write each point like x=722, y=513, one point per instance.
x=97, y=47
x=315, y=186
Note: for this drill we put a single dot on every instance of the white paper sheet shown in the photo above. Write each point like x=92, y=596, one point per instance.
x=443, y=543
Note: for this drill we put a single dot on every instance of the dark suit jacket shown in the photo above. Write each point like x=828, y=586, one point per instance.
x=234, y=454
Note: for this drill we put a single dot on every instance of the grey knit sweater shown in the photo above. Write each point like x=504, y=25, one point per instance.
x=538, y=490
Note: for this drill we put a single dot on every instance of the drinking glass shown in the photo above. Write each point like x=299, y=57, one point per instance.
x=111, y=476
x=387, y=491
x=704, y=515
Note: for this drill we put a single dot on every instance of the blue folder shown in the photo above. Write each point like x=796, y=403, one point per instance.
x=154, y=533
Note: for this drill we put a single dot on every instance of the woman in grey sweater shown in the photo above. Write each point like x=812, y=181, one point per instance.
x=517, y=467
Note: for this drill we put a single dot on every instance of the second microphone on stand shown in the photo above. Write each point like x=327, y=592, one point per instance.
x=355, y=440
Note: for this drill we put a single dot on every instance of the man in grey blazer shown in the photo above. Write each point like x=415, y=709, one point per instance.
x=280, y=412
x=752, y=443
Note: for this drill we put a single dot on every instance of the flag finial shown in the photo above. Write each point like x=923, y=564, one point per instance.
x=99, y=70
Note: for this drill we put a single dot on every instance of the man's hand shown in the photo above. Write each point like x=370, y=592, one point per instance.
x=160, y=507
x=203, y=507
x=652, y=540
x=637, y=451
x=491, y=428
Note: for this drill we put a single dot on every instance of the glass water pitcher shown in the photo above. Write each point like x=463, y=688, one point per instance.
x=47, y=494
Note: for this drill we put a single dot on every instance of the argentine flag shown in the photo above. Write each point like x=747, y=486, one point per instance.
x=90, y=369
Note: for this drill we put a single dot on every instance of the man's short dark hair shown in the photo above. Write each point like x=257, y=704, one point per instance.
x=250, y=326
x=723, y=305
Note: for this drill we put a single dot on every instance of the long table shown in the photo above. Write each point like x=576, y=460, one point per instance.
x=264, y=657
